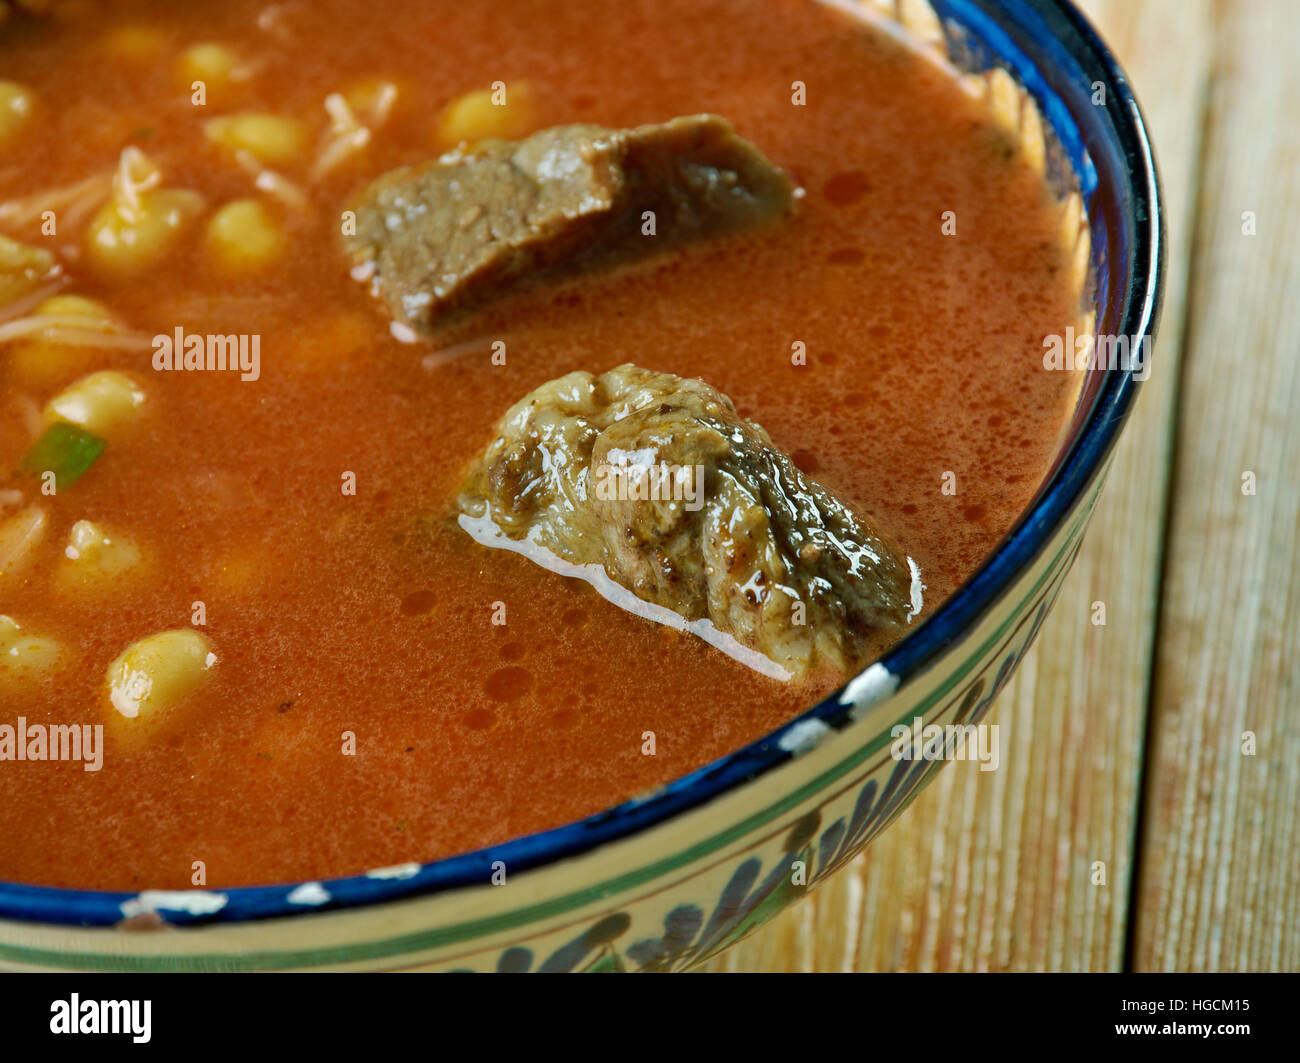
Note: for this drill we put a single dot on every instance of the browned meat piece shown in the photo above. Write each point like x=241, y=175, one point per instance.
x=450, y=233
x=658, y=480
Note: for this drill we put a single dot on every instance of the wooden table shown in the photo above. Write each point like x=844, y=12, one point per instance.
x=1130, y=743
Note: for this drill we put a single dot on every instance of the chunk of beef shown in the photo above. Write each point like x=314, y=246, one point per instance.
x=657, y=479
x=447, y=234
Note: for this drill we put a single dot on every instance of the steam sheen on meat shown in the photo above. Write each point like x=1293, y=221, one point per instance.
x=656, y=478
x=451, y=233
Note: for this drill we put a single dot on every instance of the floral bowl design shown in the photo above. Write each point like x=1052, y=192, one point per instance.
x=667, y=881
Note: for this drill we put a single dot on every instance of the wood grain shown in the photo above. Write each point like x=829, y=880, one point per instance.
x=991, y=871
x=1220, y=882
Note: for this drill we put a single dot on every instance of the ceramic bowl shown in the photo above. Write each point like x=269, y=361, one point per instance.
x=669, y=880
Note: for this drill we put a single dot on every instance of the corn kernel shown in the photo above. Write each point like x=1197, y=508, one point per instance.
x=242, y=236
x=99, y=403
x=153, y=681
x=270, y=138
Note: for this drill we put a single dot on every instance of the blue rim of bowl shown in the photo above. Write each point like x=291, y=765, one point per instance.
x=1058, y=29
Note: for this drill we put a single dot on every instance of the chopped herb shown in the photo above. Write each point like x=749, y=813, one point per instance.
x=144, y=133
x=65, y=450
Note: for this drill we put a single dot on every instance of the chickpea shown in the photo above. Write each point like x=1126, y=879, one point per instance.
x=239, y=573
x=134, y=44
x=243, y=237
x=371, y=99
x=99, y=403
x=22, y=268
x=23, y=656
x=20, y=535
x=479, y=116
x=329, y=339
x=42, y=364
x=94, y=559
x=154, y=680
x=271, y=139
x=122, y=241
x=213, y=64
x=76, y=306
x=17, y=104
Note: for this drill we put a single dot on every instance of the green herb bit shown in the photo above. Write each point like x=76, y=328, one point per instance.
x=65, y=450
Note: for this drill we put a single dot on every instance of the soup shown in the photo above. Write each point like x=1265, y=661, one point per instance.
x=357, y=681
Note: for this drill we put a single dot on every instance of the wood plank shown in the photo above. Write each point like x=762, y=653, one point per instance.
x=1220, y=881
x=990, y=871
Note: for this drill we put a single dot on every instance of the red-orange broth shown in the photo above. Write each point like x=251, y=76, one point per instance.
x=372, y=614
